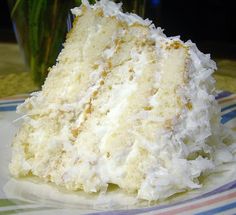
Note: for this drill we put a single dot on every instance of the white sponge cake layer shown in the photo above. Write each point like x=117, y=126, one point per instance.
x=123, y=105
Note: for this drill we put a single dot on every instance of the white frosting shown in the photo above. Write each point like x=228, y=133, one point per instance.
x=188, y=135
x=111, y=9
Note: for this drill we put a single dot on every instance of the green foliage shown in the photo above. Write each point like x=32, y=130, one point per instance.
x=41, y=30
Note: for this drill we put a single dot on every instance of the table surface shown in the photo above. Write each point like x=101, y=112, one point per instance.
x=15, y=80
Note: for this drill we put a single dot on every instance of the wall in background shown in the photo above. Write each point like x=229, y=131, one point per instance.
x=209, y=23
x=6, y=30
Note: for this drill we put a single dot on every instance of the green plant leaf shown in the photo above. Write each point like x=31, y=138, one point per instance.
x=15, y=7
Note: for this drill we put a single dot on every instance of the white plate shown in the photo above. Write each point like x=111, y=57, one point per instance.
x=28, y=196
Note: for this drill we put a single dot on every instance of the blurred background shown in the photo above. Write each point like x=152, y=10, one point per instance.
x=208, y=23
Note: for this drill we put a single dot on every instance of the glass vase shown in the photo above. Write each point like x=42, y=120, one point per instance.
x=40, y=28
